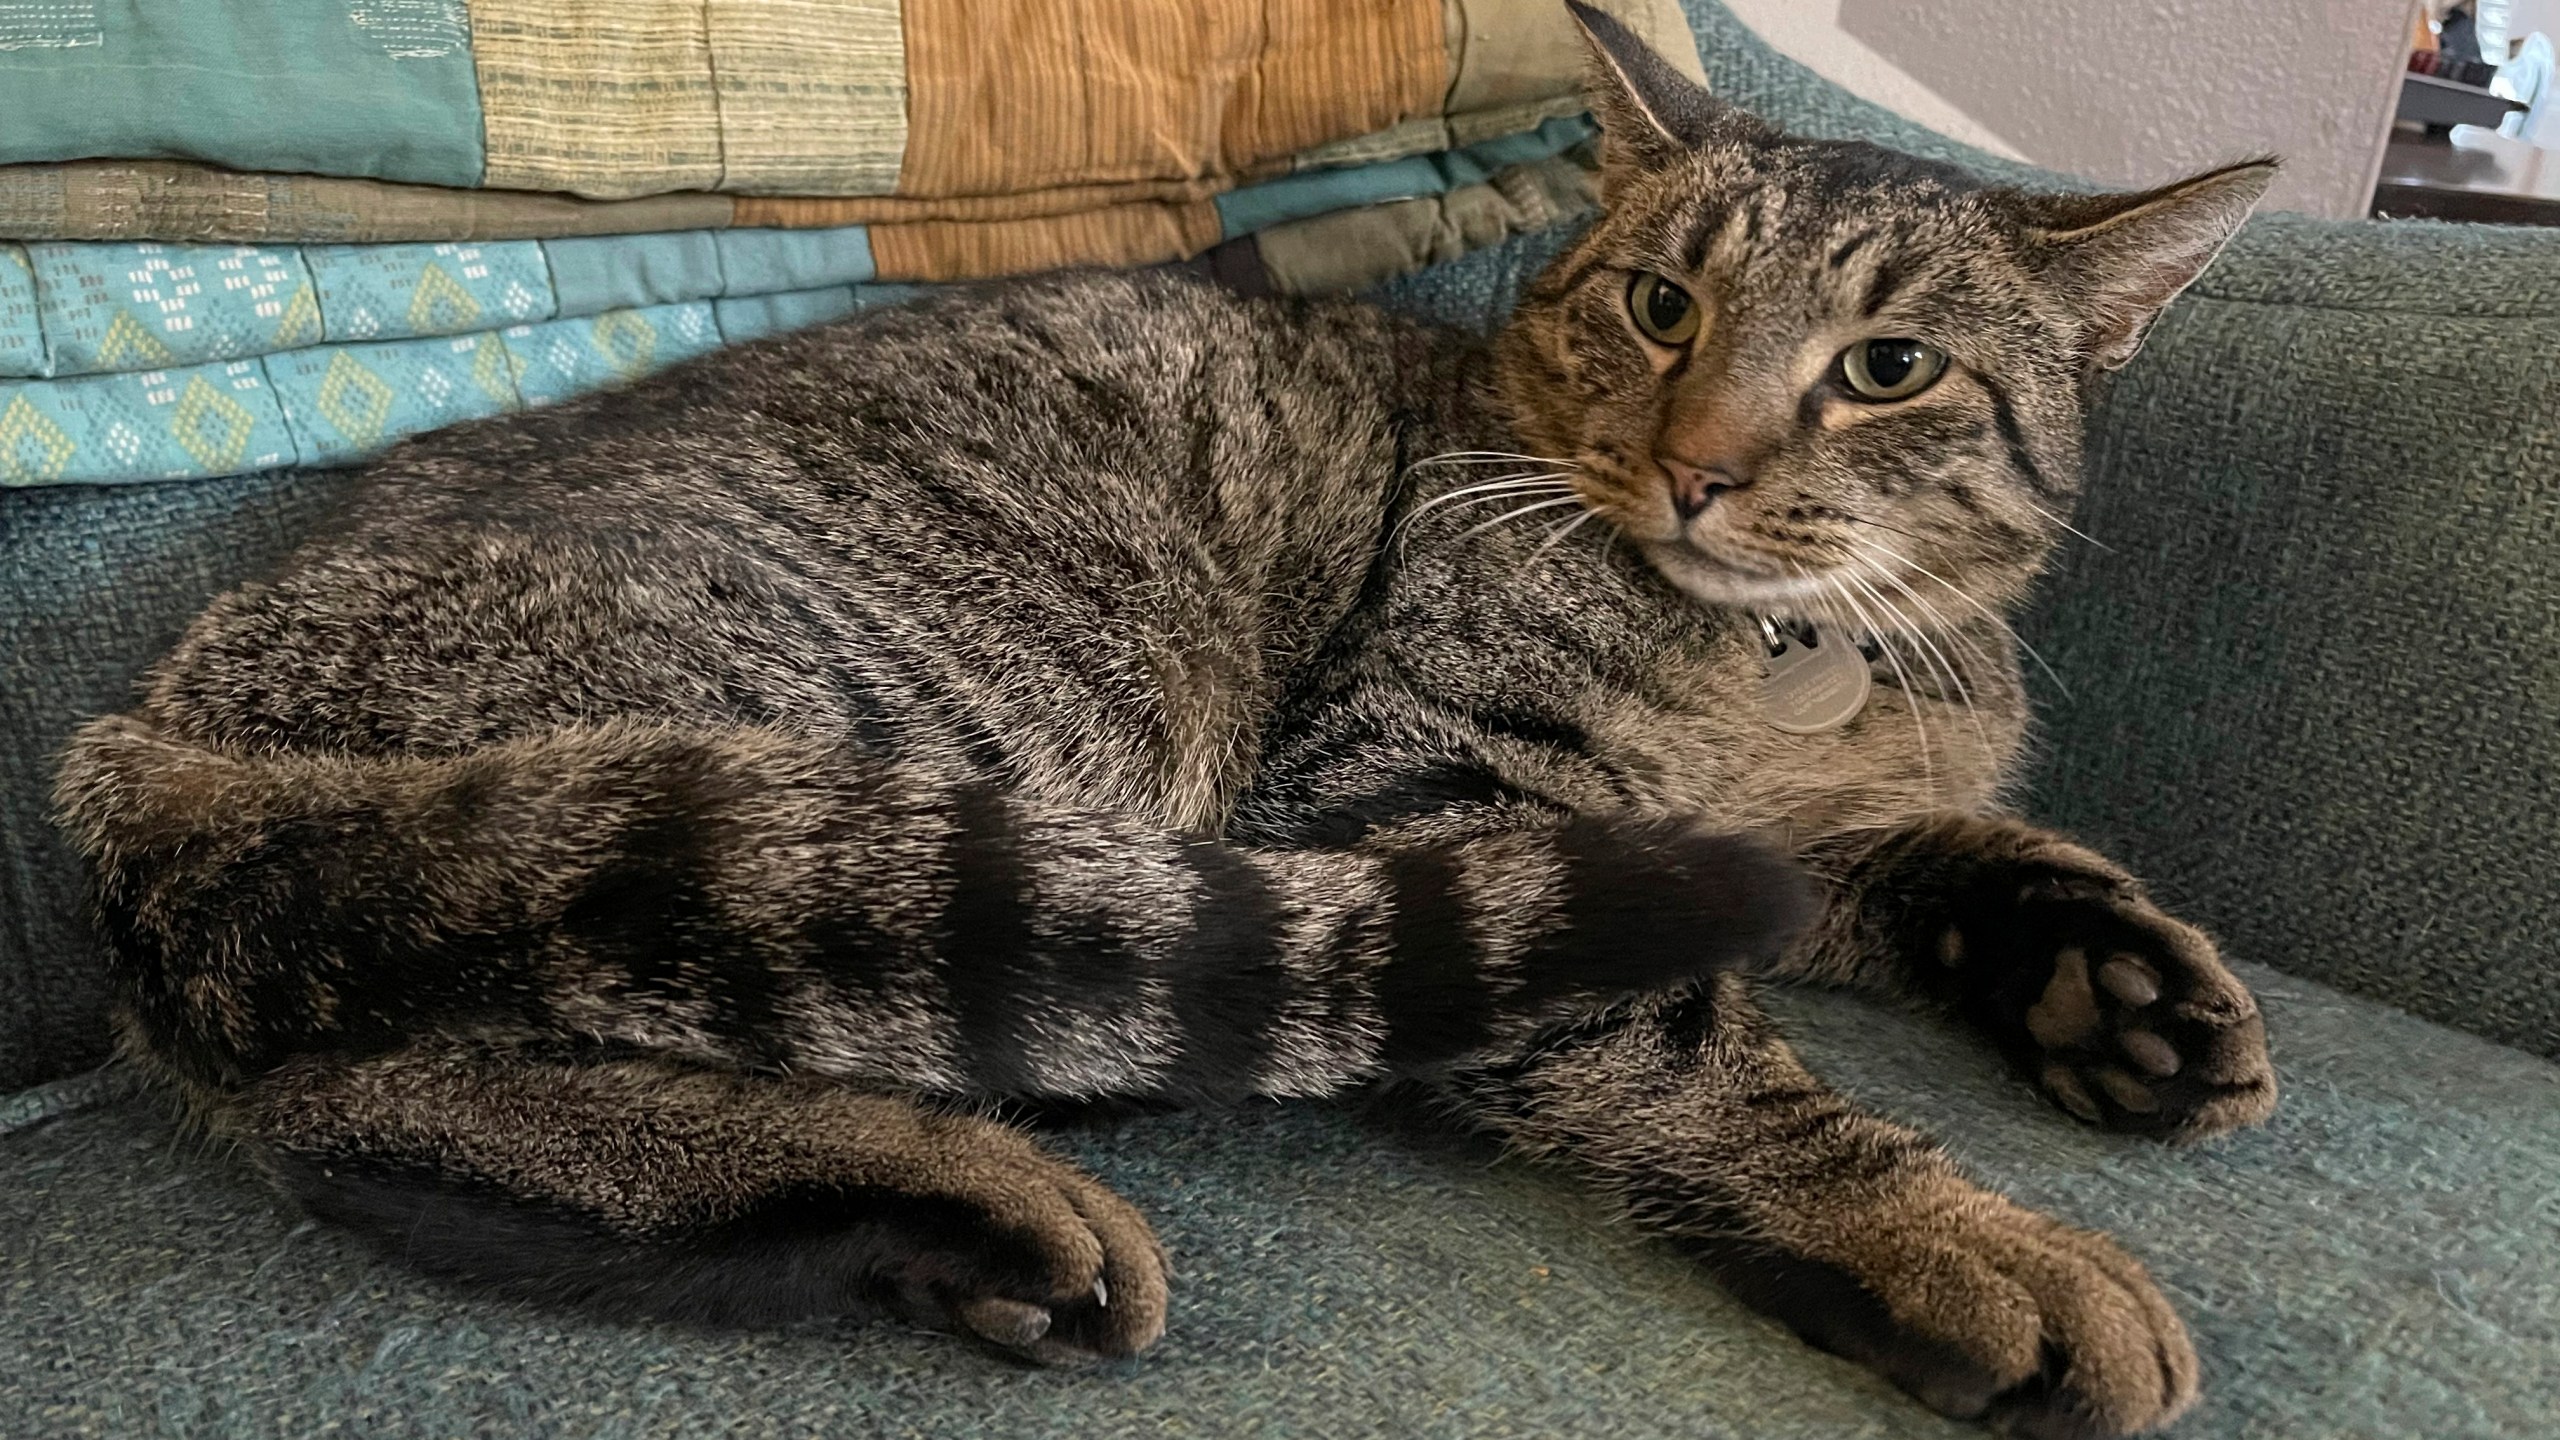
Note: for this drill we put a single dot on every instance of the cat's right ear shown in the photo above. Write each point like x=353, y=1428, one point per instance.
x=1650, y=114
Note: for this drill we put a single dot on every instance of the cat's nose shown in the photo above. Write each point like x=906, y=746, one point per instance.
x=1695, y=487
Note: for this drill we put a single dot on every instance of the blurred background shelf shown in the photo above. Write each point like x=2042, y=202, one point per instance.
x=2469, y=174
x=2434, y=100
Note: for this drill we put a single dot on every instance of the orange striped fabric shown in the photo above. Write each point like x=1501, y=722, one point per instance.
x=1007, y=95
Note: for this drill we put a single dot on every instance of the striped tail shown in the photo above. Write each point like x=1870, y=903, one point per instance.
x=753, y=899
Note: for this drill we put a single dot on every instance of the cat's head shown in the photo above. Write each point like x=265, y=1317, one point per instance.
x=1778, y=362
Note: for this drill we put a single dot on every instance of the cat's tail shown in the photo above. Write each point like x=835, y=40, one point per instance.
x=758, y=899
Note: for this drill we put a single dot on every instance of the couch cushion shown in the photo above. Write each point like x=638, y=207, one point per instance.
x=2379, y=1261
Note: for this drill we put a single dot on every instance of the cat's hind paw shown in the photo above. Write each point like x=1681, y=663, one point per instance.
x=1060, y=1271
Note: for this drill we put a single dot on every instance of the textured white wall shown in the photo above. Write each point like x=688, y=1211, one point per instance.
x=2127, y=91
x=1809, y=31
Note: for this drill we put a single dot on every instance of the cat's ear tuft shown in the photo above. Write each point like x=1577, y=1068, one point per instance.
x=1650, y=113
x=2125, y=257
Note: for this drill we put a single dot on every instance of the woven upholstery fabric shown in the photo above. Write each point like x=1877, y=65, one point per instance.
x=2372, y=1264
x=2315, y=681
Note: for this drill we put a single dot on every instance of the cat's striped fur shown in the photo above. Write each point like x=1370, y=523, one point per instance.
x=756, y=898
x=592, y=862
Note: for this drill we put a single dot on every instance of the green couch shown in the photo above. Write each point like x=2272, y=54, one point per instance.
x=2313, y=694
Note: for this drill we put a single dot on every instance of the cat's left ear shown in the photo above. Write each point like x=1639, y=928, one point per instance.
x=1650, y=114
x=2125, y=257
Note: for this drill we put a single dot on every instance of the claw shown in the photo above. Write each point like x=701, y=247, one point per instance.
x=2067, y=1088
x=1101, y=1293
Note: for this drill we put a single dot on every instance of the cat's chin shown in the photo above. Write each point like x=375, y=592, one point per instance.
x=1710, y=581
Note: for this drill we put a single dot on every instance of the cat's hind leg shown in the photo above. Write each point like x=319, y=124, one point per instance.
x=650, y=1190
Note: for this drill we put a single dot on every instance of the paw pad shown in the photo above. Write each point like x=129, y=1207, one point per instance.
x=2124, y=1016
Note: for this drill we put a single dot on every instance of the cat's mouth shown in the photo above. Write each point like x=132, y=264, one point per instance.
x=1730, y=575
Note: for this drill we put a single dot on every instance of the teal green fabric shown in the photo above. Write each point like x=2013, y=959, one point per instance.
x=398, y=292
x=85, y=309
x=312, y=86
x=755, y=315
x=550, y=363
x=1249, y=208
x=765, y=262
x=324, y=405
x=131, y=362
x=227, y=359
x=351, y=399
x=21, y=322
x=222, y=418
x=2315, y=675
x=594, y=273
x=2376, y=1263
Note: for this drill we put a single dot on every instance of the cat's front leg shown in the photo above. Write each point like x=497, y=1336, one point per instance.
x=2125, y=1015
x=1857, y=1233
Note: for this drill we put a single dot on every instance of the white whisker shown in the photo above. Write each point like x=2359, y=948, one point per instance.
x=1947, y=629
x=1508, y=486
x=1516, y=514
x=1489, y=457
x=1910, y=697
x=2074, y=529
x=1987, y=612
x=1563, y=529
x=1551, y=480
x=1937, y=658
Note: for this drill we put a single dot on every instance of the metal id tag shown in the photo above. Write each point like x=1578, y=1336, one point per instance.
x=1812, y=681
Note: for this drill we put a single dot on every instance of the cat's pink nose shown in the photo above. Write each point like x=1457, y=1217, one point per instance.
x=1695, y=487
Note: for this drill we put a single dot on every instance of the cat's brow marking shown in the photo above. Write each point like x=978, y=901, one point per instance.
x=1882, y=282
x=2004, y=415
x=1739, y=228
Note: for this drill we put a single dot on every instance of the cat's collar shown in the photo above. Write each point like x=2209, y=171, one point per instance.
x=1812, y=678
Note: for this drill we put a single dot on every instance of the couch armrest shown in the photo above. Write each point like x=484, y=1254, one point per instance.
x=2315, y=682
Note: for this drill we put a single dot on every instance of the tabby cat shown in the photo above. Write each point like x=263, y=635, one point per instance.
x=623, y=860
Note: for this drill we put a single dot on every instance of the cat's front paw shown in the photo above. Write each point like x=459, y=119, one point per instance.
x=1983, y=1310
x=2125, y=1015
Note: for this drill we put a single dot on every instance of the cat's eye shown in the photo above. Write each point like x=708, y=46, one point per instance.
x=1662, y=310
x=1894, y=369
